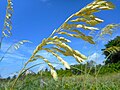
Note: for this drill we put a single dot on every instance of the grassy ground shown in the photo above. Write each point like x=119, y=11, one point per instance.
x=82, y=82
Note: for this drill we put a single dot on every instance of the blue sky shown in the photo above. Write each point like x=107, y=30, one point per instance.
x=35, y=19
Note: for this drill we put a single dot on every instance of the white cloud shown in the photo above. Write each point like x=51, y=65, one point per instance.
x=97, y=57
x=94, y=56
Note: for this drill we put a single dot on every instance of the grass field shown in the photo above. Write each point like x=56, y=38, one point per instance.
x=81, y=82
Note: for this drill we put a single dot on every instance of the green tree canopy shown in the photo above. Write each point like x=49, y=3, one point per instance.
x=112, y=51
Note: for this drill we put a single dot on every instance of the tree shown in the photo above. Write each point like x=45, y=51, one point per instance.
x=46, y=70
x=112, y=51
x=8, y=78
x=91, y=63
x=0, y=76
x=14, y=77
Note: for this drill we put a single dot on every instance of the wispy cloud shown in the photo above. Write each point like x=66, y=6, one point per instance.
x=44, y=0
x=13, y=60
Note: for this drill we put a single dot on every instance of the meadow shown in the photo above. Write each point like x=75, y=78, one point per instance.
x=102, y=82
x=108, y=78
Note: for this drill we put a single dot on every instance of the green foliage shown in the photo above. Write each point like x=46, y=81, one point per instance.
x=114, y=67
x=112, y=51
x=114, y=42
x=82, y=69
